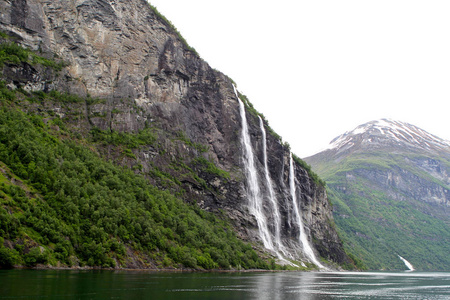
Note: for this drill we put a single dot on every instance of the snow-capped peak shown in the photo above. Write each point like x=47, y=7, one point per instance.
x=389, y=132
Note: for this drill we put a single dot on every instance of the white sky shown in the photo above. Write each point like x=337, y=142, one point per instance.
x=318, y=68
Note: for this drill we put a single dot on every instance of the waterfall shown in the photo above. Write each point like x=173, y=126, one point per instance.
x=271, y=241
x=407, y=263
x=298, y=218
x=272, y=198
x=253, y=191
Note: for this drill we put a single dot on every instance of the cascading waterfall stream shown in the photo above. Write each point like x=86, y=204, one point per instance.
x=298, y=218
x=271, y=241
x=254, y=195
x=272, y=198
x=407, y=263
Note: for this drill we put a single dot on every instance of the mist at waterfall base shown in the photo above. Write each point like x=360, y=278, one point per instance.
x=271, y=239
x=108, y=284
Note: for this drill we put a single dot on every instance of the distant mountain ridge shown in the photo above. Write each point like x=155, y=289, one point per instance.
x=390, y=185
x=384, y=132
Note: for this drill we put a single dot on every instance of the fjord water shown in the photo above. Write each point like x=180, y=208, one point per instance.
x=70, y=284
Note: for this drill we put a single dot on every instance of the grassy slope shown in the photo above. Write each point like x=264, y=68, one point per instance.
x=377, y=228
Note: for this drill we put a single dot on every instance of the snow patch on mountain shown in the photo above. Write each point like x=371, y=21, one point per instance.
x=388, y=131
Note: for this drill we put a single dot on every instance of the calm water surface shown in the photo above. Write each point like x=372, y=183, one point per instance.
x=64, y=284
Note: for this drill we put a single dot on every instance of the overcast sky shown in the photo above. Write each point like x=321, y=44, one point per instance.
x=319, y=68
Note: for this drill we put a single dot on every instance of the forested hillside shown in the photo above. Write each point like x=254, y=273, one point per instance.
x=63, y=204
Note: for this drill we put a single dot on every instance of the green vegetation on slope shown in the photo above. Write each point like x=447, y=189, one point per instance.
x=61, y=203
x=72, y=194
x=183, y=40
x=317, y=180
x=377, y=228
x=12, y=53
x=79, y=207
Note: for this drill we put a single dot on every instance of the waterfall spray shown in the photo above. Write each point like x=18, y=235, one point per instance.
x=298, y=218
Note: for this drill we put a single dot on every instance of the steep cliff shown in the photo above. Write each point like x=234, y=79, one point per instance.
x=133, y=73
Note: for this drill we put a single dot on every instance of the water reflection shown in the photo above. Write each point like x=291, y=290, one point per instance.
x=53, y=284
x=269, y=287
x=300, y=286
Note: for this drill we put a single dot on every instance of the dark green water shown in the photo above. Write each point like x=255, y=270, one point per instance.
x=64, y=284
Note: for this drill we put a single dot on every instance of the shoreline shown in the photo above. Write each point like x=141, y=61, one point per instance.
x=156, y=270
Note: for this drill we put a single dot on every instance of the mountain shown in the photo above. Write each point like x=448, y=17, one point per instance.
x=121, y=147
x=389, y=184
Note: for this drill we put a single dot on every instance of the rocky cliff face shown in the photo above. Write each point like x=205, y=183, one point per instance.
x=139, y=73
